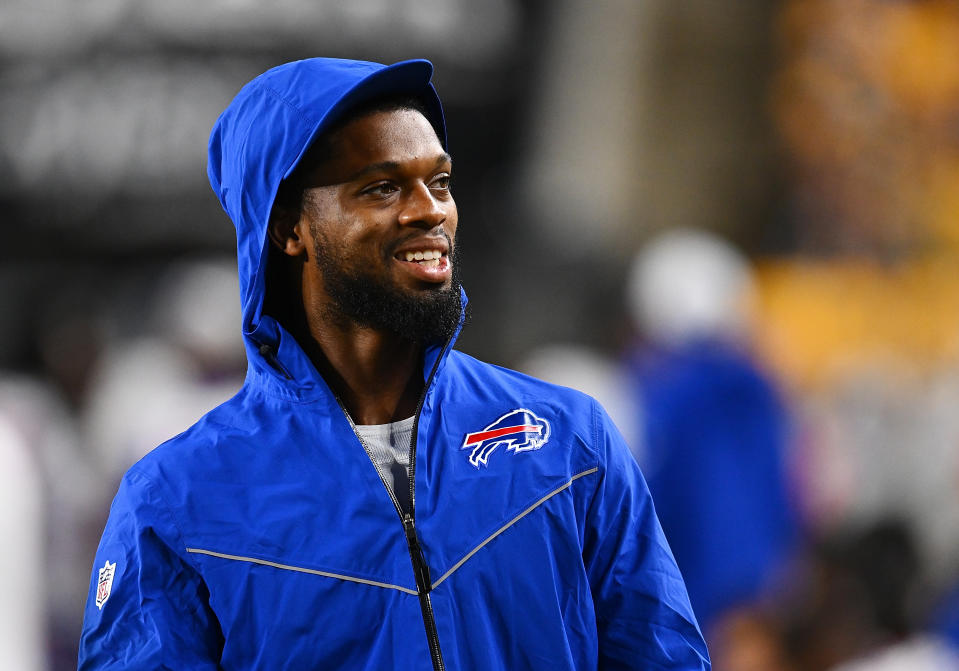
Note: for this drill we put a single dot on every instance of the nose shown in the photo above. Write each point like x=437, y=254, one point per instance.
x=422, y=208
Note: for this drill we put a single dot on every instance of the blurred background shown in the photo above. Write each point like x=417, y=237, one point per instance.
x=735, y=224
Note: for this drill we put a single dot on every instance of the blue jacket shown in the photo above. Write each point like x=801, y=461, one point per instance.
x=720, y=482
x=264, y=538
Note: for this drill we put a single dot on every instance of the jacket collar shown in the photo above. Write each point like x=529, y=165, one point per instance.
x=279, y=366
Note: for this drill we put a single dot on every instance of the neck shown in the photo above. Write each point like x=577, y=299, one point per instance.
x=378, y=377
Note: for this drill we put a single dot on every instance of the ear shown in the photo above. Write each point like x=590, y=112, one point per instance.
x=284, y=231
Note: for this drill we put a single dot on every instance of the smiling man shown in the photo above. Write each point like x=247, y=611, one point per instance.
x=372, y=498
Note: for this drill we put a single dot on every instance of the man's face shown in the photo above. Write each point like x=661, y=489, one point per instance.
x=380, y=224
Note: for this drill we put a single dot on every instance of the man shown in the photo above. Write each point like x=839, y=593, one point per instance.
x=372, y=499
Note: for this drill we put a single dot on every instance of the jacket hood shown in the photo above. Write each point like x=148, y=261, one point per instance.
x=262, y=135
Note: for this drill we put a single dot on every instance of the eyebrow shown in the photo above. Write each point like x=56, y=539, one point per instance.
x=392, y=165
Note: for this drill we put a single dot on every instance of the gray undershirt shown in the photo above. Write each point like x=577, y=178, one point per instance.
x=389, y=446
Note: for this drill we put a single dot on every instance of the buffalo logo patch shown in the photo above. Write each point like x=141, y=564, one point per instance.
x=105, y=583
x=519, y=430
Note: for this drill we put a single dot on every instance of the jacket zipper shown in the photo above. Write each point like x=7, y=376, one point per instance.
x=416, y=553
x=423, y=587
x=421, y=569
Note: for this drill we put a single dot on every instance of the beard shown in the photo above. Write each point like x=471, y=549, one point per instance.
x=358, y=297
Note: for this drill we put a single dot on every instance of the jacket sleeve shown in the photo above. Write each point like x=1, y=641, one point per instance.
x=643, y=613
x=147, y=607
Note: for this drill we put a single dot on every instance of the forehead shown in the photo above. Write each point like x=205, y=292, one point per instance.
x=402, y=136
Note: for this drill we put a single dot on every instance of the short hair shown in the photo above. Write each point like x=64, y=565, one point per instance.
x=289, y=196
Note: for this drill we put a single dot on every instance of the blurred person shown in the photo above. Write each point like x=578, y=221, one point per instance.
x=145, y=389
x=54, y=494
x=42, y=408
x=715, y=427
x=372, y=498
x=858, y=605
x=22, y=608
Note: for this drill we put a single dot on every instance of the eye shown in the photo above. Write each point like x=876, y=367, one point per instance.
x=380, y=189
x=441, y=182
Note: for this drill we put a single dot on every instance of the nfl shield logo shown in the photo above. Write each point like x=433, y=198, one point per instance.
x=105, y=583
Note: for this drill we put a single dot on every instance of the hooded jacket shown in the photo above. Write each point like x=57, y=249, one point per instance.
x=264, y=538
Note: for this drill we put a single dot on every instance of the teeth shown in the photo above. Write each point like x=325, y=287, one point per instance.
x=432, y=263
x=429, y=255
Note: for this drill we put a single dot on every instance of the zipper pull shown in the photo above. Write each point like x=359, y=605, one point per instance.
x=420, y=568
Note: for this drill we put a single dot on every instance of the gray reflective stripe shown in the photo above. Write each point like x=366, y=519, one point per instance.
x=512, y=522
x=300, y=569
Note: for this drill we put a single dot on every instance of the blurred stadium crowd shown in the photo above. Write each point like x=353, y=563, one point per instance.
x=735, y=224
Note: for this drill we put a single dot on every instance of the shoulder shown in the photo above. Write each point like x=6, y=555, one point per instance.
x=194, y=452
x=475, y=383
x=495, y=377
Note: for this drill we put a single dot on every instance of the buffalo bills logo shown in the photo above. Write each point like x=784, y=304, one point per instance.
x=519, y=430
